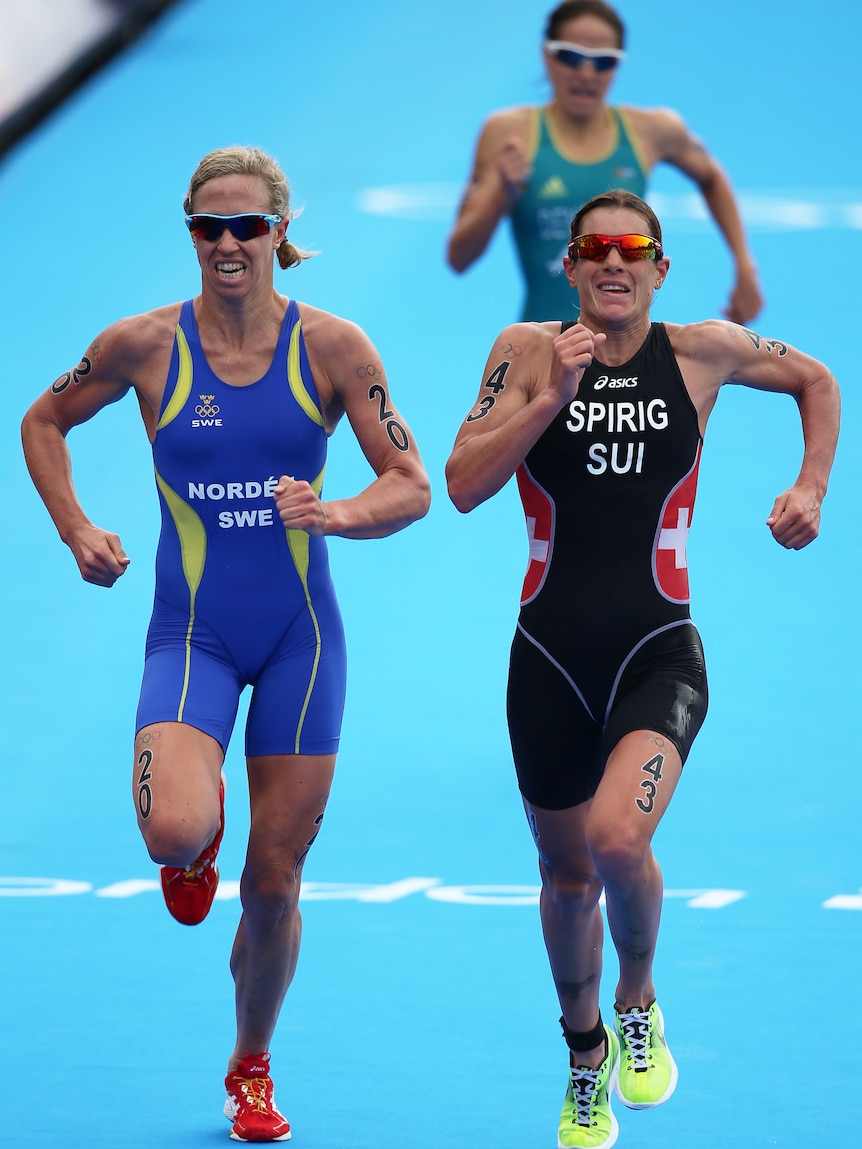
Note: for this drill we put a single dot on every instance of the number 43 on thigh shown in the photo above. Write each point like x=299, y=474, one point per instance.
x=646, y=766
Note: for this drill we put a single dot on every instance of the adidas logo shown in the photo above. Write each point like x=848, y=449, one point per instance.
x=553, y=188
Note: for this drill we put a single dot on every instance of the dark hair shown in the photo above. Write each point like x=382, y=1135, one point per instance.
x=619, y=198
x=240, y=160
x=572, y=9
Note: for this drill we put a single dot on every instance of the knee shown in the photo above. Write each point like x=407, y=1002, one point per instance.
x=270, y=895
x=619, y=852
x=570, y=890
x=174, y=841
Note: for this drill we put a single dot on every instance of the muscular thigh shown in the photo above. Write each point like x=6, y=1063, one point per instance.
x=561, y=751
x=639, y=781
x=556, y=744
x=298, y=699
x=662, y=688
x=658, y=709
x=288, y=794
x=189, y=683
x=298, y=676
x=560, y=838
x=175, y=776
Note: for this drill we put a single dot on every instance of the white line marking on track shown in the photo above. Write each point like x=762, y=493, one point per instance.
x=771, y=209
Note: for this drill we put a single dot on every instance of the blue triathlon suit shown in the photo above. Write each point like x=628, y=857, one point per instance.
x=239, y=599
x=558, y=187
x=605, y=644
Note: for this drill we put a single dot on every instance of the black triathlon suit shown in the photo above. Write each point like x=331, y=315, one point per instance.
x=605, y=644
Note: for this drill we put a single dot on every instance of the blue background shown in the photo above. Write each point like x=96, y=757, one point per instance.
x=418, y=1020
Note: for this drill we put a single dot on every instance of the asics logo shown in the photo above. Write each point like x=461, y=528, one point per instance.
x=607, y=381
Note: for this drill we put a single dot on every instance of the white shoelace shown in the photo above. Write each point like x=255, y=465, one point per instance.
x=635, y=1032
x=585, y=1084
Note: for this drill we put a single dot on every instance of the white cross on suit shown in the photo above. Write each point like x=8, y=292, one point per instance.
x=538, y=547
x=675, y=538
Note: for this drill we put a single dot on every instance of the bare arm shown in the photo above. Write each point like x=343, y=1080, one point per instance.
x=530, y=374
x=500, y=172
x=674, y=144
x=401, y=493
x=795, y=516
x=738, y=355
x=73, y=399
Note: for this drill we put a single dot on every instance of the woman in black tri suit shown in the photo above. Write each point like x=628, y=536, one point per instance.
x=602, y=421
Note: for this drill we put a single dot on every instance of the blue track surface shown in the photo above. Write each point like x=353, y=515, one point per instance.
x=423, y=1013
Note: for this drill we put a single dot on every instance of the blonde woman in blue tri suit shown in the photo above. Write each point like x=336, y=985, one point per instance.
x=539, y=165
x=239, y=389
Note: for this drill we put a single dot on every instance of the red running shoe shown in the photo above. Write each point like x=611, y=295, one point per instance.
x=189, y=890
x=250, y=1104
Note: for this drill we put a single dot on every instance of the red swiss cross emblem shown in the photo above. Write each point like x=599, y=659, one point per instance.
x=669, y=562
x=539, y=511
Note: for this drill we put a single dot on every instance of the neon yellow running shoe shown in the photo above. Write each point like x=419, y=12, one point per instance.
x=647, y=1074
x=587, y=1121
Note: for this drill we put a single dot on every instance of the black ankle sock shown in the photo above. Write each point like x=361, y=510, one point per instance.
x=582, y=1042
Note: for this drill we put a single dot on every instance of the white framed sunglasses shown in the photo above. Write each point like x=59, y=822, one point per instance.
x=574, y=55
